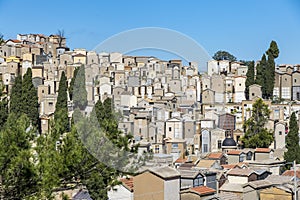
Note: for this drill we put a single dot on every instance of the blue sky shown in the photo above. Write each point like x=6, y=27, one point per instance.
x=244, y=28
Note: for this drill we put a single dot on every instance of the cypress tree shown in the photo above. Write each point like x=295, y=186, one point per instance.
x=250, y=77
x=79, y=93
x=16, y=102
x=272, y=52
x=30, y=98
x=61, y=107
x=72, y=83
x=260, y=74
x=292, y=141
x=3, y=108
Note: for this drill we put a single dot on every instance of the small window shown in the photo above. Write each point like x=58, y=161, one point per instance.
x=295, y=80
x=252, y=94
x=240, y=84
x=280, y=132
x=43, y=91
x=170, y=128
x=219, y=144
x=50, y=103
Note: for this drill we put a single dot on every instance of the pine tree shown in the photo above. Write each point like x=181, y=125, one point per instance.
x=17, y=171
x=61, y=107
x=256, y=134
x=16, y=103
x=30, y=98
x=79, y=93
x=250, y=78
x=292, y=141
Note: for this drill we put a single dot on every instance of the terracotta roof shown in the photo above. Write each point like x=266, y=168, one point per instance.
x=291, y=173
x=203, y=190
x=262, y=150
x=181, y=160
x=215, y=155
x=229, y=166
x=128, y=183
x=240, y=172
x=80, y=55
x=234, y=152
x=205, y=163
x=15, y=41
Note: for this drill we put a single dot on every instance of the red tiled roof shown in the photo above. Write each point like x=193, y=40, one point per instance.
x=215, y=155
x=262, y=150
x=291, y=173
x=240, y=172
x=15, y=41
x=80, y=55
x=202, y=190
x=234, y=152
x=229, y=166
x=128, y=183
x=181, y=160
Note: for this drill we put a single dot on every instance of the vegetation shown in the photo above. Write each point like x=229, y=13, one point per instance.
x=292, y=141
x=224, y=55
x=73, y=82
x=16, y=95
x=30, y=98
x=79, y=93
x=3, y=108
x=250, y=77
x=1, y=39
x=256, y=135
x=265, y=75
x=18, y=177
x=61, y=107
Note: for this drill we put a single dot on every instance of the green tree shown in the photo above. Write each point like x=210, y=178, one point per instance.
x=16, y=103
x=256, y=134
x=273, y=53
x=79, y=93
x=292, y=141
x=261, y=75
x=3, y=108
x=224, y=55
x=72, y=82
x=61, y=107
x=18, y=176
x=265, y=71
x=49, y=164
x=250, y=77
x=1, y=39
x=273, y=50
x=30, y=98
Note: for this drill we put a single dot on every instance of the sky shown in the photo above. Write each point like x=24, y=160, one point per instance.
x=243, y=28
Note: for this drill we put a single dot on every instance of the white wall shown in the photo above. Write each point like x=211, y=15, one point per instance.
x=237, y=179
x=171, y=189
x=121, y=193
